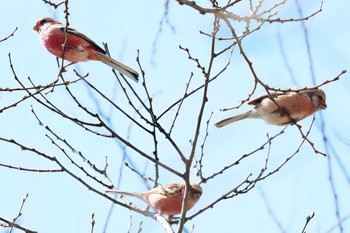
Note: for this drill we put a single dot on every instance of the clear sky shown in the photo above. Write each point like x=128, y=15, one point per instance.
x=58, y=203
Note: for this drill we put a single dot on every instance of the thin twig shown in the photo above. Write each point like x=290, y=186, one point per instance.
x=31, y=169
x=308, y=219
x=14, y=225
x=54, y=5
x=10, y=35
x=19, y=211
x=92, y=222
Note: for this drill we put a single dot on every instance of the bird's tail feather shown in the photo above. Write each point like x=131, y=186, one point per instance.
x=131, y=194
x=124, y=69
x=233, y=119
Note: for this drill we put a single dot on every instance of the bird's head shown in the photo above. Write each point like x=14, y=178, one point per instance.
x=319, y=100
x=43, y=23
x=196, y=191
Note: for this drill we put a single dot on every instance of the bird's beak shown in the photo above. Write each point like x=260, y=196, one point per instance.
x=35, y=28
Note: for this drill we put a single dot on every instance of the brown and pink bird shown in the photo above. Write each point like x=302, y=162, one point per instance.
x=167, y=199
x=293, y=106
x=78, y=47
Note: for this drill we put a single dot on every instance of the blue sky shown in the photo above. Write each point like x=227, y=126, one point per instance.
x=57, y=203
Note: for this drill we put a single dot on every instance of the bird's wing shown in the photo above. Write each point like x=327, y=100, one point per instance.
x=259, y=99
x=84, y=37
x=170, y=189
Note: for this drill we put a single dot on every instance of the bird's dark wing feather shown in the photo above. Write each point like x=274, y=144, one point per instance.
x=84, y=37
x=259, y=99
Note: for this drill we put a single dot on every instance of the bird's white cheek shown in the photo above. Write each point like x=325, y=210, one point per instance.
x=316, y=102
x=43, y=28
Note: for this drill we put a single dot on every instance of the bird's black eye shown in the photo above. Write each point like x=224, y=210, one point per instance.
x=43, y=21
x=319, y=97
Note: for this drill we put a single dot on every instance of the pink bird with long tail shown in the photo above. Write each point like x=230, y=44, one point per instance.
x=78, y=47
x=293, y=106
x=167, y=199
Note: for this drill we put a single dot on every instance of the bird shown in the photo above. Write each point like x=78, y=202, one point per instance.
x=293, y=106
x=78, y=47
x=167, y=199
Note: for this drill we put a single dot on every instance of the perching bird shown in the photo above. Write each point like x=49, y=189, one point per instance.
x=294, y=106
x=78, y=47
x=167, y=199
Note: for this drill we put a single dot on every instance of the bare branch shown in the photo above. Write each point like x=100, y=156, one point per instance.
x=308, y=219
x=180, y=104
x=14, y=225
x=54, y=5
x=31, y=169
x=203, y=10
x=10, y=35
x=189, y=161
x=92, y=222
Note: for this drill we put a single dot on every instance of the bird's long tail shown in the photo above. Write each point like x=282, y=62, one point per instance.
x=124, y=69
x=131, y=194
x=233, y=119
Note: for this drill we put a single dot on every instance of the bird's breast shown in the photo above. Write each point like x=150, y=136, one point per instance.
x=75, y=47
